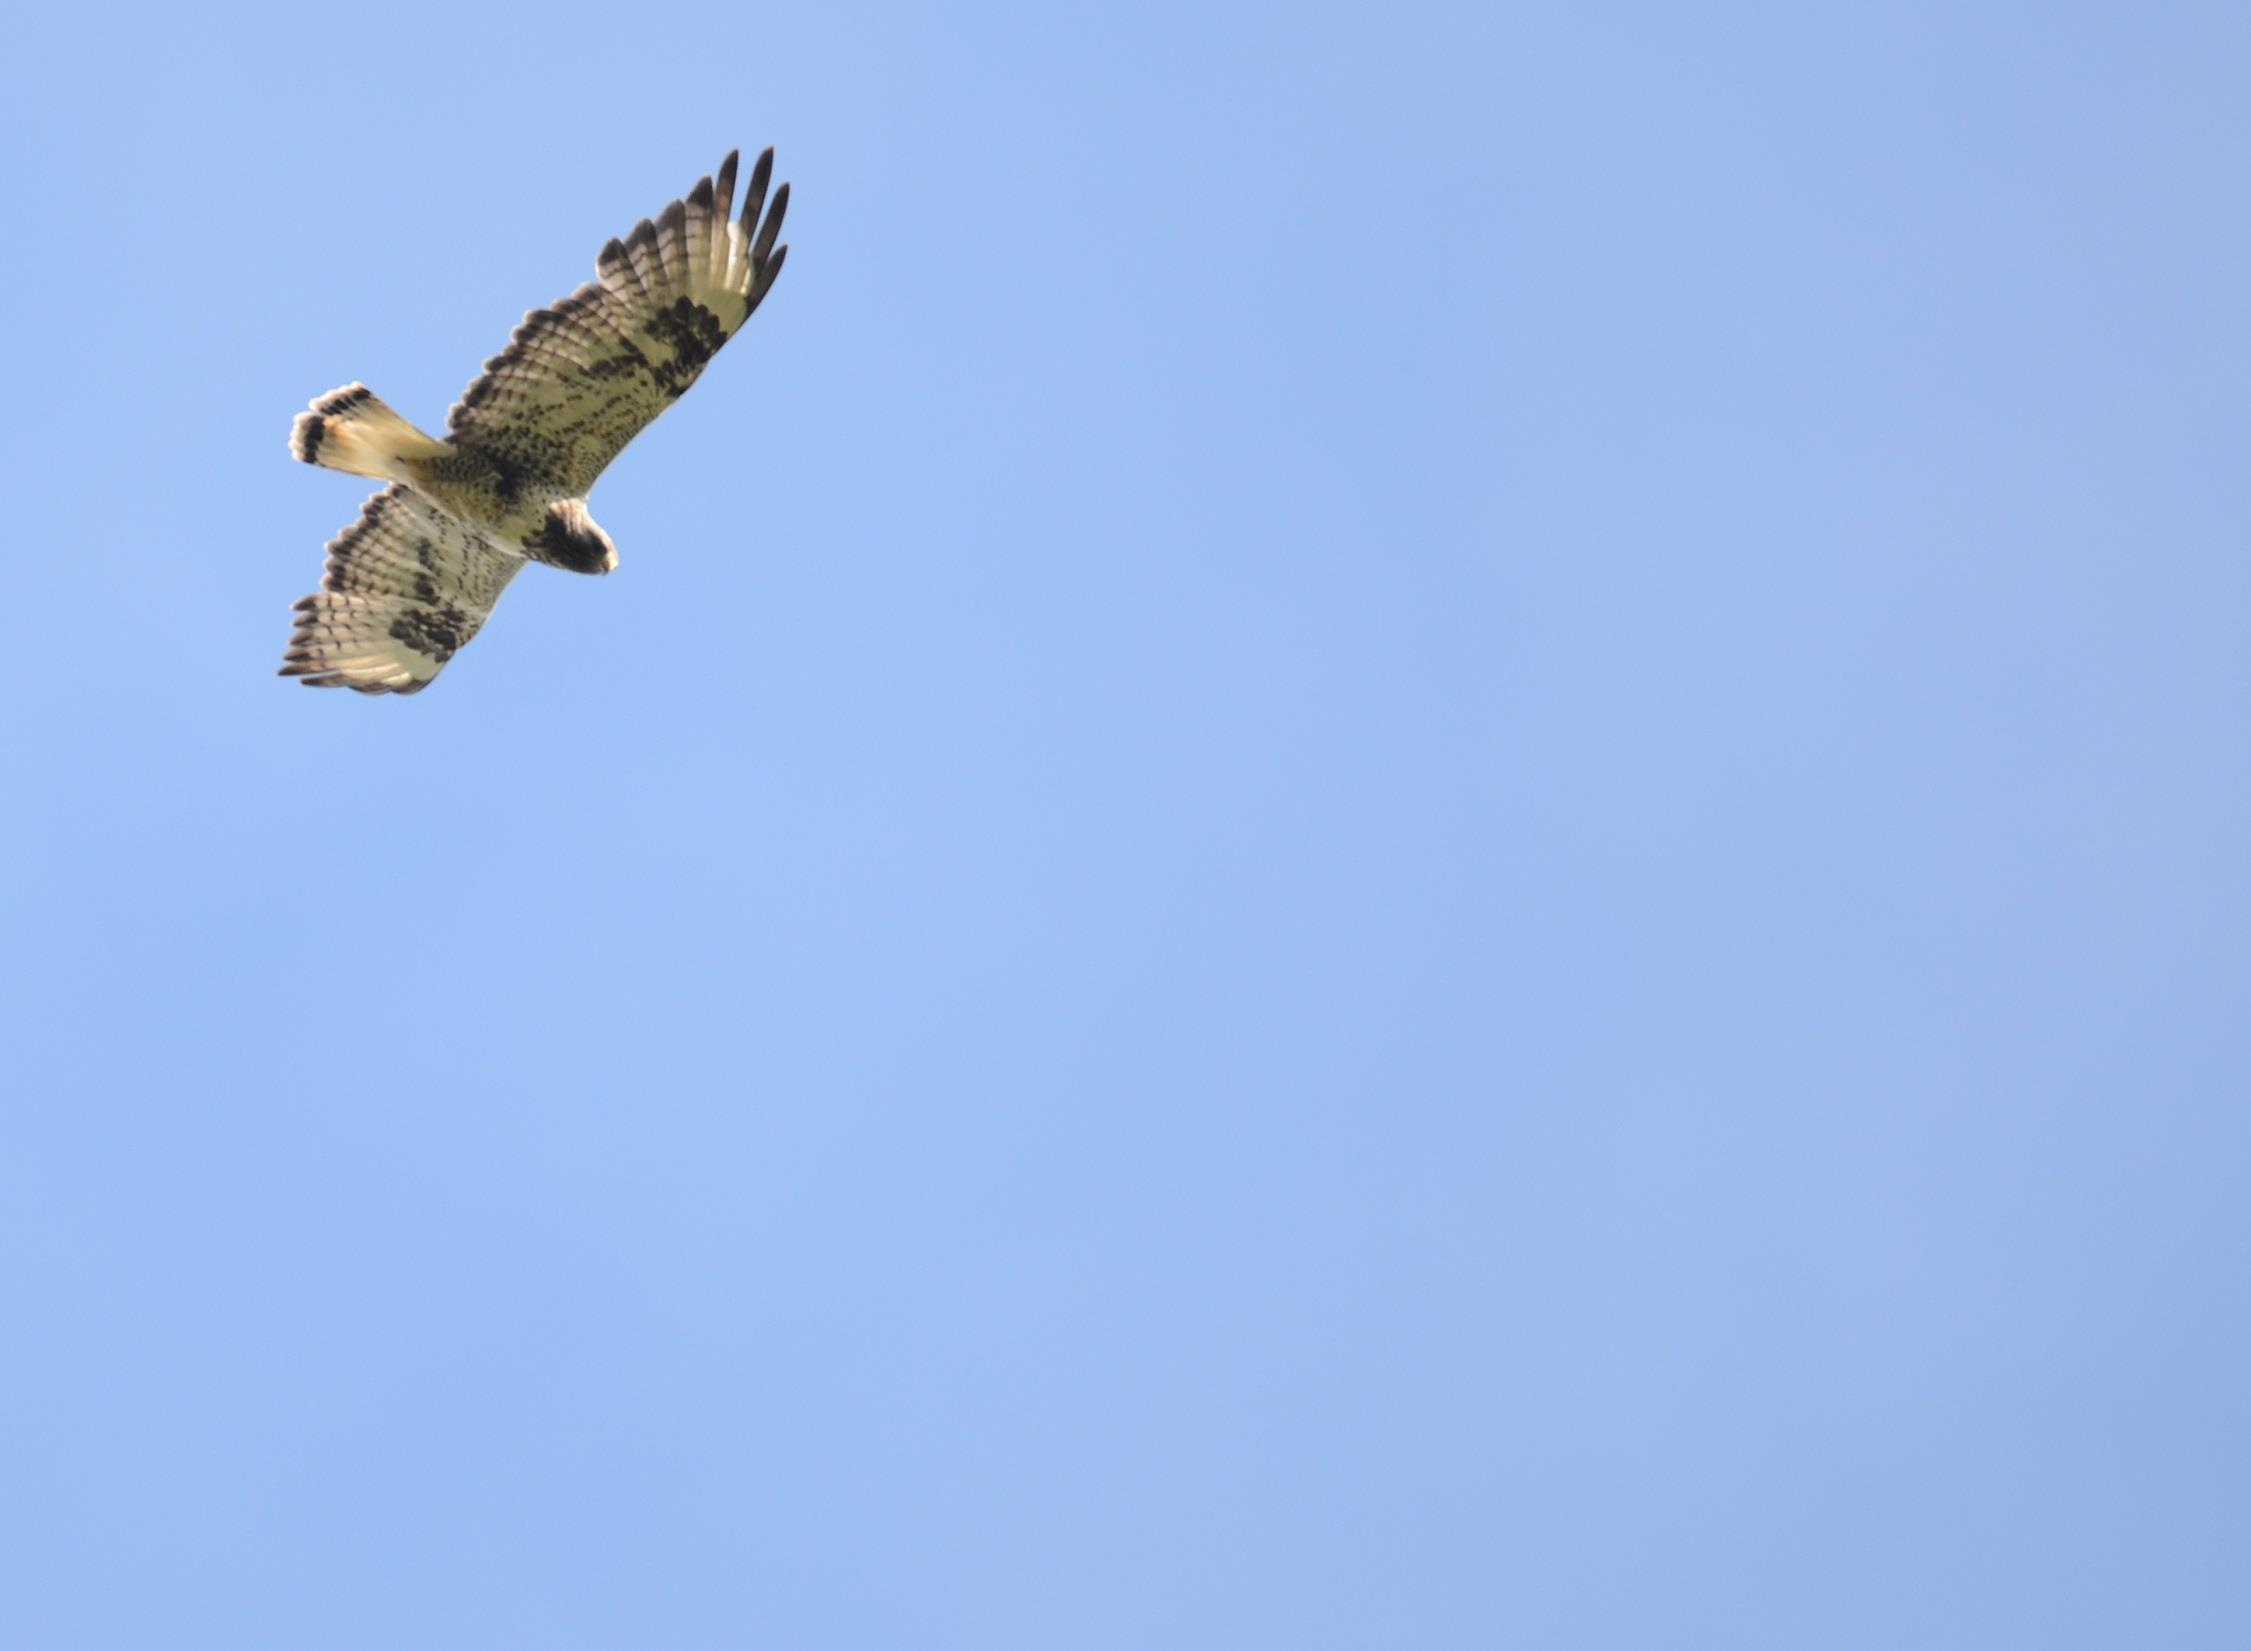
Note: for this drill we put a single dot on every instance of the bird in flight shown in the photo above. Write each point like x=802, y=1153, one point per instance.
x=410, y=582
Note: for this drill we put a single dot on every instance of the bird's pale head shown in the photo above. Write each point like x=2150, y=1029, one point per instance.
x=568, y=538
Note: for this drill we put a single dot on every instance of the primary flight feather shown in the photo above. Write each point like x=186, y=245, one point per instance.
x=410, y=582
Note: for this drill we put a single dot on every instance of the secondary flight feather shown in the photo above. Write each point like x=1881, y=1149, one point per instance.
x=410, y=582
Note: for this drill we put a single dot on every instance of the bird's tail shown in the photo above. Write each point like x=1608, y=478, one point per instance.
x=351, y=430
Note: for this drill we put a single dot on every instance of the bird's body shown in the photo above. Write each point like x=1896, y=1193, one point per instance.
x=412, y=580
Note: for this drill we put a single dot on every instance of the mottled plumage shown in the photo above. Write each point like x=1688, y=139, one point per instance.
x=409, y=584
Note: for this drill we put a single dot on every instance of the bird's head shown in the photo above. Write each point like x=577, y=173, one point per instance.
x=568, y=538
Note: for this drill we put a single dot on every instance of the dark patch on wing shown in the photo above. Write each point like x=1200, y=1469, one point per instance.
x=437, y=631
x=426, y=558
x=693, y=335
x=509, y=477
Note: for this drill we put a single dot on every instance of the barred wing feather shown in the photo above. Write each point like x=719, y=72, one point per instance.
x=406, y=587
x=583, y=377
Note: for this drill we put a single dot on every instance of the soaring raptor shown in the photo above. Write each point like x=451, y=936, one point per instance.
x=410, y=582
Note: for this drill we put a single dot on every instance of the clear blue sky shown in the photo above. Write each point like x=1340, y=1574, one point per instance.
x=1411, y=828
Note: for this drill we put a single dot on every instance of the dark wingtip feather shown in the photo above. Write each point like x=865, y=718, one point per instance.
x=699, y=198
x=767, y=274
x=726, y=189
x=772, y=227
x=754, y=198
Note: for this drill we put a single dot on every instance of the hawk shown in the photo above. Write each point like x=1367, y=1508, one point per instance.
x=410, y=582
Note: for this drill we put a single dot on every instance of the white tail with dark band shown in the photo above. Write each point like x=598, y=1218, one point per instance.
x=355, y=431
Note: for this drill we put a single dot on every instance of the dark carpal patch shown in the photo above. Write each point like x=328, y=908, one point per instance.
x=437, y=632
x=693, y=335
x=508, y=477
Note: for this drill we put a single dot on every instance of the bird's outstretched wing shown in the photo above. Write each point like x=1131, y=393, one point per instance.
x=583, y=377
x=406, y=587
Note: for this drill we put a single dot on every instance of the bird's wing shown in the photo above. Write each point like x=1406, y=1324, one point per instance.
x=406, y=587
x=583, y=377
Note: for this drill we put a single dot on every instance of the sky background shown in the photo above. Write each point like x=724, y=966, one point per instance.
x=1412, y=827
